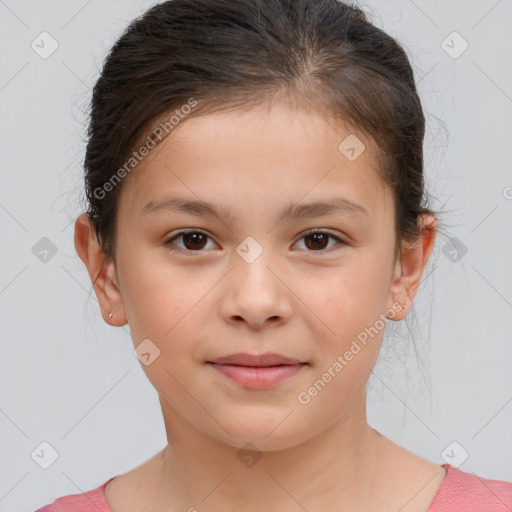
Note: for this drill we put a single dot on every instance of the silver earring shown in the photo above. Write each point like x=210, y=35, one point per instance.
x=110, y=315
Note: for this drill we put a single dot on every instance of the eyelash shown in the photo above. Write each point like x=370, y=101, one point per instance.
x=170, y=246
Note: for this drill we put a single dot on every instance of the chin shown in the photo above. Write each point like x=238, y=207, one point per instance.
x=264, y=434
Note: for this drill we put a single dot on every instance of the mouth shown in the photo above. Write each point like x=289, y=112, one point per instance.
x=256, y=360
x=257, y=371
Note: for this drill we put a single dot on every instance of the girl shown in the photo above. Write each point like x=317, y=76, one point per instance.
x=254, y=175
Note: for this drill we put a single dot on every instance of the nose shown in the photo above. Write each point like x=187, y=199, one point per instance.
x=256, y=293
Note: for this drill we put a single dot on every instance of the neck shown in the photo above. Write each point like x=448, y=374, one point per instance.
x=331, y=470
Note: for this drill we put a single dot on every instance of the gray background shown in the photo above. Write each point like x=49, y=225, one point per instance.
x=69, y=379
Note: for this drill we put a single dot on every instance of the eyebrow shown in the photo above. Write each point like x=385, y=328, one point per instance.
x=339, y=205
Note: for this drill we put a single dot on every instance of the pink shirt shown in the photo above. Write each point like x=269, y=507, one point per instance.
x=459, y=492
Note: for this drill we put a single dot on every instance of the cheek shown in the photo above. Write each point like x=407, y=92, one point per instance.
x=347, y=354
x=344, y=308
x=157, y=296
x=341, y=297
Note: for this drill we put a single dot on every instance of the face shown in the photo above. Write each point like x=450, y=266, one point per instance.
x=249, y=279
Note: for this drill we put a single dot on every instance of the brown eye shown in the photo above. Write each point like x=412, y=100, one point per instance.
x=193, y=241
x=317, y=241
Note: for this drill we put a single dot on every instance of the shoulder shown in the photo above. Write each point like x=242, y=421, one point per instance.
x=465, y=492
x=83, y=502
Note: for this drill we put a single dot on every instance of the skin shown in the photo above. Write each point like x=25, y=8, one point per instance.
x=299, y=299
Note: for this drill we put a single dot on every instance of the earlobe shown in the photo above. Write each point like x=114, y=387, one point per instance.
x=101, y=271
x=114, y=314
x=410, y=266
x=400, y=303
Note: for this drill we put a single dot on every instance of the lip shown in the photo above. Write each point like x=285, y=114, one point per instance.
x=257, y=371
x=261, y=360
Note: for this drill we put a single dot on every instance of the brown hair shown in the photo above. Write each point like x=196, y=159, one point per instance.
x=237, y=53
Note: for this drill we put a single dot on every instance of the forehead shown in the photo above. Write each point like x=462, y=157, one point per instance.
x=264, y=157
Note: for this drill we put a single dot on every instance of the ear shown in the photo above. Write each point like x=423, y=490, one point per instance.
x=409, y=268
x=101, y=270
